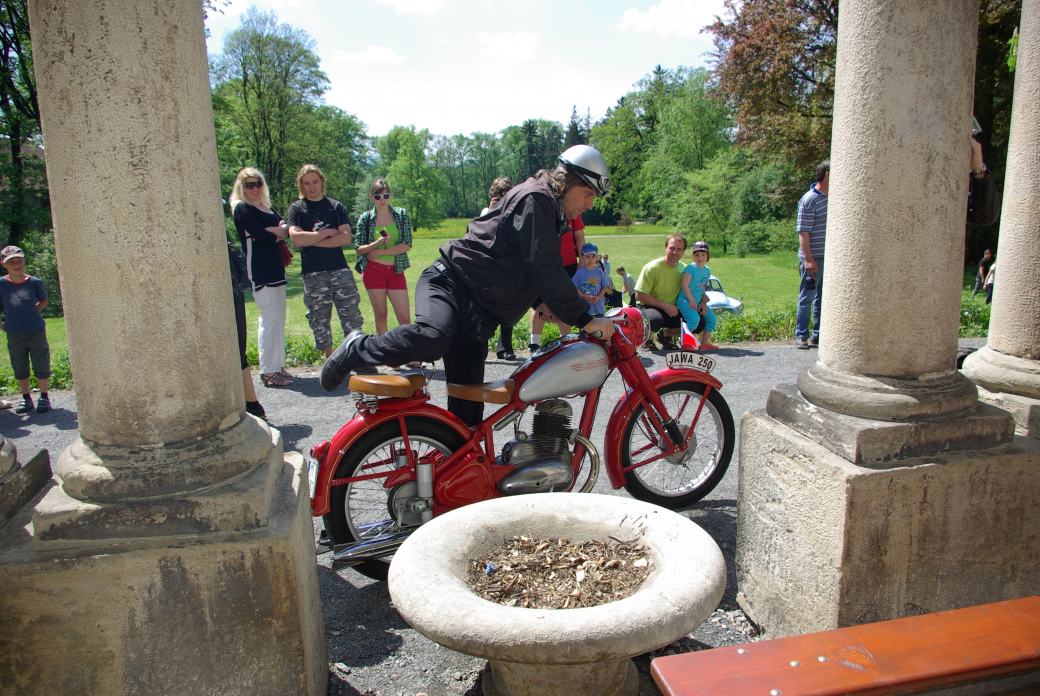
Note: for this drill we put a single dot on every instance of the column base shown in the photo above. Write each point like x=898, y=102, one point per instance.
x=1025, y=410
x=823, y=543
x=219, y=613
x=61, y=521
x=873, y=443
x=999, y=372
x=946, y=395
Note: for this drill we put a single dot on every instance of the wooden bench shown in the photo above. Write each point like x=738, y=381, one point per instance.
x=890, y=657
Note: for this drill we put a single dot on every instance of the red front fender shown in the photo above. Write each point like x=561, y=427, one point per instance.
x=358, y=426
x=628, y=404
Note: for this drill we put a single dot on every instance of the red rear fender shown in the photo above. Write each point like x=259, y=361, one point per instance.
x=358, y=426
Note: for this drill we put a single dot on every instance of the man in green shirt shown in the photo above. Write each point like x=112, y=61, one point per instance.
x=658, y=288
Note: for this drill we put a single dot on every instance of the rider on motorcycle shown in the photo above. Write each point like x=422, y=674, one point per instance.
x=508, y=258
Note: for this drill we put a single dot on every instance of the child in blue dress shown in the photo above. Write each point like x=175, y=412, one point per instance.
x=693, y=301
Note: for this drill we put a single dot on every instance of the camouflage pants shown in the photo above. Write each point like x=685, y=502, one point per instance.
x=321, y=290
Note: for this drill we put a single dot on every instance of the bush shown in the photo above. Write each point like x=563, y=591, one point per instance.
x=756, y=326
x=61, y=375
x=974, y=316
x=299, y=350
x=764, y=237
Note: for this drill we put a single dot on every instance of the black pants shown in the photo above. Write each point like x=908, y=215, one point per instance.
x=240, y=323
x=505, y=338
x=449, y=325
x=660, y=320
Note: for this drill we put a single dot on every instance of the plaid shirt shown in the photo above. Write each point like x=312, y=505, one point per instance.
x=366, y=231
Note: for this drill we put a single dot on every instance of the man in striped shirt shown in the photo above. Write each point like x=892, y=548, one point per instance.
x=812, y=231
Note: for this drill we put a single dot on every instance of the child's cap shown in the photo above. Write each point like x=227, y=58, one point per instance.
x=589, y=248
x=10, y=252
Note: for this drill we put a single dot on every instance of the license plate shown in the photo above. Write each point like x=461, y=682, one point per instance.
x=690, y=360
x=312, y=474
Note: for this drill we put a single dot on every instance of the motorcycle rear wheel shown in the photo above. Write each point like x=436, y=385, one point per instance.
x=682, y=479
x=360, y=510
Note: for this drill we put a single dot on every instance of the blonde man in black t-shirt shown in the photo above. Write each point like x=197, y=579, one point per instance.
x=319, y=226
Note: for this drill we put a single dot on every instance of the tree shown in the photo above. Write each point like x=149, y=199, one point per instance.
x=25, y=204
x=488, y=161
x=578, y=129
x=627, y=134
x=269, y=79
x=415, y=182
x=691, y=129
x=775, y=62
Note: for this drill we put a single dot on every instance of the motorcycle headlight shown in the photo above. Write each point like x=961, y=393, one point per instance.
x=635, y=326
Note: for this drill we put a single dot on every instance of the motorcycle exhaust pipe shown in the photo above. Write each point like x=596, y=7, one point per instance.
x=347, y=555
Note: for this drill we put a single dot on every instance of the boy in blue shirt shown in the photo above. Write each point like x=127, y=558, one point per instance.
x=591, y=281
x=24, y=297
x=693, y=301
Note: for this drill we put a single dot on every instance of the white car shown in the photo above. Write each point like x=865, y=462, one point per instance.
x=719, y=301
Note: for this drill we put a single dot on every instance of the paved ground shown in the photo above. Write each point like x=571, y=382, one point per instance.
x=371, y=649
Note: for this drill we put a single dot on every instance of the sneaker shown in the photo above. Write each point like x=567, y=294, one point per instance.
x=533, y=347
x=801, y=344
x=25, y=406
x=338, y=365
x=43, y=405
x=814, y=342
x=370, y=370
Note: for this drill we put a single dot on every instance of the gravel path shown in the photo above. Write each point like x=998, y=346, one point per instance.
x=371, y=649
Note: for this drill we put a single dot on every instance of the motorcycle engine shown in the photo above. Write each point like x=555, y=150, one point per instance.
x=542, y=459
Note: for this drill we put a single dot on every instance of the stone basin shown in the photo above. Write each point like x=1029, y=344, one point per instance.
x=562, y=651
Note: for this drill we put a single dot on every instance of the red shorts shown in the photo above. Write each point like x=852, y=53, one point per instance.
x=379, y=276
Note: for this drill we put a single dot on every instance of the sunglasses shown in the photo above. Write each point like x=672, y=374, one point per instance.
x=381, y=196
x=254, y=184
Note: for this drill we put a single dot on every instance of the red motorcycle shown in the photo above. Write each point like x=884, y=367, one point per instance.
x=402, y=460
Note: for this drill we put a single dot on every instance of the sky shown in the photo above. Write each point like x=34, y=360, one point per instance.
x=462, y=66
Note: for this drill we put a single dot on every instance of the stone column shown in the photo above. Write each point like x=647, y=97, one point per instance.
x=181, y=527
x=1008, y=367
x=855, y=485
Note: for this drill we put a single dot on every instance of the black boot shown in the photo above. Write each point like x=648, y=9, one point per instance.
x=337, y=366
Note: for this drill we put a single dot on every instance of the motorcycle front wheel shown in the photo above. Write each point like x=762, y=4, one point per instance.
x=360, y=511
x=684, y=477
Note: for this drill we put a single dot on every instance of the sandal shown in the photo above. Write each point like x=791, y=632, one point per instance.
x=284, y=373
x=708, y=346
x=275, y=379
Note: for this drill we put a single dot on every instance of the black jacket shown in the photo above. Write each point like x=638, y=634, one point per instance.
x=511, y=255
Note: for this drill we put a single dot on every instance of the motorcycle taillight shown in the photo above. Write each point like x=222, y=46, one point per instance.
x=319, y=450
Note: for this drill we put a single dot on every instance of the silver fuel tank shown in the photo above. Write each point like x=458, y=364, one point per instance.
x=577, y=368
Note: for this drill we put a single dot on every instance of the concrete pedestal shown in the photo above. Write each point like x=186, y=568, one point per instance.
x=227, y=612
x=823, y=543
x=19, y=483
x=562, y=652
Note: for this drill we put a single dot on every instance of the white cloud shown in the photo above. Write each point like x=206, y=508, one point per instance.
x=416, y=7
x=680, y=18
x=520, y=43
x=370, y=55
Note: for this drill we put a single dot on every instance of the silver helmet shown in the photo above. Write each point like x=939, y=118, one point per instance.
x=587, y=163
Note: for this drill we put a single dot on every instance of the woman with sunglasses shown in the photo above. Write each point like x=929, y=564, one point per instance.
x=382, y=240
x=260, y=228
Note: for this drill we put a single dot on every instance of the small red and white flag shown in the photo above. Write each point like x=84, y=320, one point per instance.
x=689, y=342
